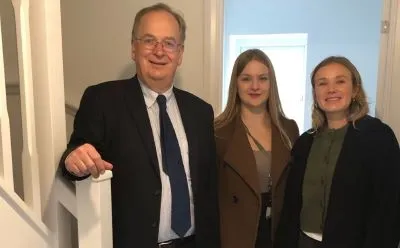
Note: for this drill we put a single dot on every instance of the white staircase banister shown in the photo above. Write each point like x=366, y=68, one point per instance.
x=94, y=212
x=29, y=153
x=25, y=212
x=6, y=170
x=67, y=197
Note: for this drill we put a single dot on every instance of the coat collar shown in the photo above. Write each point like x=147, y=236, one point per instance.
x=239, y=155
x=136, y=106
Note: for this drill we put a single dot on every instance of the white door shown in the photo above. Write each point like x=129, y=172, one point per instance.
x=288, y=54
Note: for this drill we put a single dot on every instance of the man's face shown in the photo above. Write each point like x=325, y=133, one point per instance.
x=157, y=50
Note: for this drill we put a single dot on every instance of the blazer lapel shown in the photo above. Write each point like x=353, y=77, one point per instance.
x=240, y=157
x=137, y=107
x=189, y=124
x=280, y=156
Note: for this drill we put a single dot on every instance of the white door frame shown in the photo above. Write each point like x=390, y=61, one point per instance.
x=213, y=51
x=388, y=92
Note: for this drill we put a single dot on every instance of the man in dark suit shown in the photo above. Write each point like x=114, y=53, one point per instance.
x=151, y=135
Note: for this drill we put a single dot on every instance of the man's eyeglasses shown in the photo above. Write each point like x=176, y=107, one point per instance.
x=168, y=45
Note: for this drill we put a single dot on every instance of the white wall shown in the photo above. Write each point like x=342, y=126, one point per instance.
x=96, y=43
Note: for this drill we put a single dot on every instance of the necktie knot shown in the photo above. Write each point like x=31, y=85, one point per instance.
x=162, y=102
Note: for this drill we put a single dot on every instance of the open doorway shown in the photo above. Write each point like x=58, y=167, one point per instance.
x=347, y=28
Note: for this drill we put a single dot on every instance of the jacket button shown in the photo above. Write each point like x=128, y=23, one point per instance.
x=235, y=199
x=157, y=192
x=154, y=225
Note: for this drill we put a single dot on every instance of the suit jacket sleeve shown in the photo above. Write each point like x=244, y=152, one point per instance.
x=212, y=190
x=89, y=127
x=384, y=211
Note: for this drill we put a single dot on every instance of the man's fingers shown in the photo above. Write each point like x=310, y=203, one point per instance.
x=94, y=170
x=107, y=165
x=84, y=160
x=101, y=164
x=75, y=170
x=96, y=158
x=75, y=165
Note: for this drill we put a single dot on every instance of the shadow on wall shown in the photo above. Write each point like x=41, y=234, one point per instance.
x=130, y=70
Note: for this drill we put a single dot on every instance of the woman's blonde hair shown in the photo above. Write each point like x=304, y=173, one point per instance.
x=273, y=105
x=358, y=107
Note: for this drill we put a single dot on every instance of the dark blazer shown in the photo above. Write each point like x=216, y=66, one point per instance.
x=364, y=201
x=239, y=190
x=113, y=117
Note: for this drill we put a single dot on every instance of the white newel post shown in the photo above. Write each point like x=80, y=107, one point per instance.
x=49, y=103
x=49, y=99
x=6, y=169
x=29, y=151
x=94, y=212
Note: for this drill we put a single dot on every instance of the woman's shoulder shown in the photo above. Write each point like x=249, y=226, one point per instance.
x=225, y=131
x=223, y=135
x=369, y=123
x=291, y=128
x=373, y=128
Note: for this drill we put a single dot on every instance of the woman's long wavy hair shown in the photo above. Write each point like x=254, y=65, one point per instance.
x=358, y=107
x=273, y=105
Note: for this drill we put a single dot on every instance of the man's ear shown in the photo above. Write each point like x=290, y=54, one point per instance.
x=133, y=51
x=181, y=50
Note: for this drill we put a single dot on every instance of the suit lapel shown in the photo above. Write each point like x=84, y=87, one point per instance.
x=280, y=155
x=240, y=157
x=137, y=107
x=189, y=124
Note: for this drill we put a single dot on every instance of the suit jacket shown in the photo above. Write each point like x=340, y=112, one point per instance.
x=239, y=190
x=113, y=118
x=364, y=201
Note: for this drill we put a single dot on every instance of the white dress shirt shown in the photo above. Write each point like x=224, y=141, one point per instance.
x=165, y=232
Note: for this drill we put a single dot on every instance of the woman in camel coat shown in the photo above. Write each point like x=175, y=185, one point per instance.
x=253, y=139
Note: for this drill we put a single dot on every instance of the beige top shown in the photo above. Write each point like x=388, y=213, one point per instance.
x=263, y=161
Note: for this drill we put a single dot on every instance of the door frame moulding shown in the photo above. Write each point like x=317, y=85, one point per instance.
x=213, y=51
x=389, y=61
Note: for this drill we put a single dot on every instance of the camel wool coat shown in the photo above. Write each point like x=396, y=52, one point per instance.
x=239, y=186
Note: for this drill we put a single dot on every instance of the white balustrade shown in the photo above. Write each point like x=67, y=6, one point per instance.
x=46, y=197
x=6, y=169
x=29, y=152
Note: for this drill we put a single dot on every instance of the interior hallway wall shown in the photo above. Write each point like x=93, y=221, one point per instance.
x=335, y=27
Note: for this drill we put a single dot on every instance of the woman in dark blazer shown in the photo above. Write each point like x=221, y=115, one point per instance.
x=343, y=185
x=253, y=139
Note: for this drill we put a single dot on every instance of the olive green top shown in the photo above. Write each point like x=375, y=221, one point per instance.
x=318, y=176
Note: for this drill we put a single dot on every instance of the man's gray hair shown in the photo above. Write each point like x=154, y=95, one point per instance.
x=160, y=7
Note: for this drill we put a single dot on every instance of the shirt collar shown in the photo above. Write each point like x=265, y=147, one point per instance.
x=150, y=96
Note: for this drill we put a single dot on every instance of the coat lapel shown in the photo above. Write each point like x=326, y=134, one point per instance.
x=135, y=102
x=280, y=156
x=189, y=124
x=240, y=157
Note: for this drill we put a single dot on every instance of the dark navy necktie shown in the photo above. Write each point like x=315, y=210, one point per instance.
x=173, y=167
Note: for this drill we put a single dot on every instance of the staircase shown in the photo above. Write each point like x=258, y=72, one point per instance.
x=38, y=208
